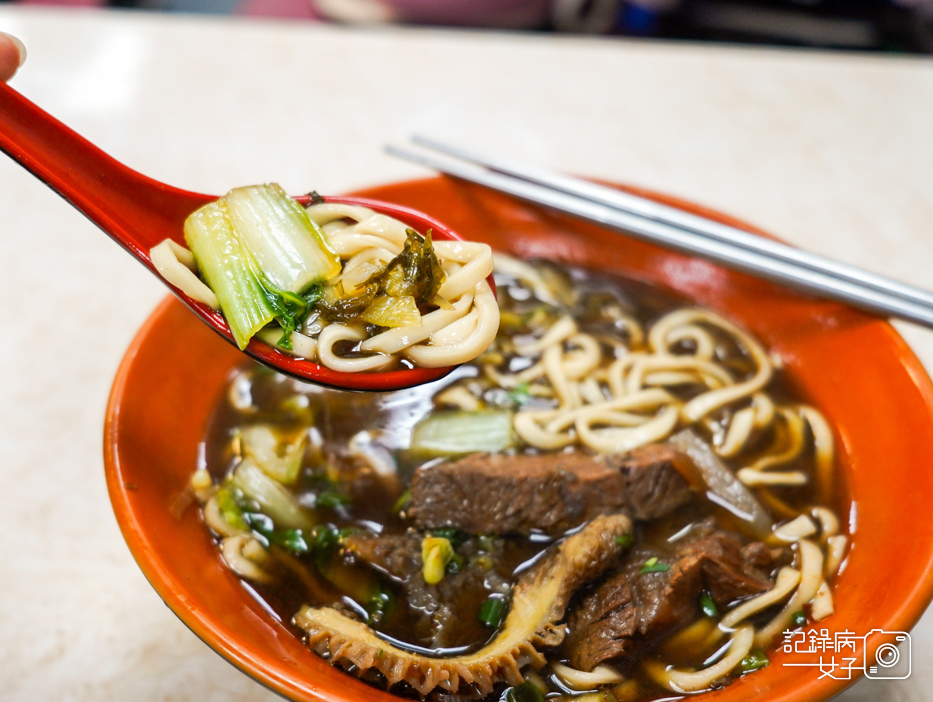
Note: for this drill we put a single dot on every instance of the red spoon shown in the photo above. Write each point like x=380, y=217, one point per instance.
x=138, y=213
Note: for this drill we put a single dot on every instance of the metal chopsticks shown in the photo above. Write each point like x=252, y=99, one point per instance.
x=681, y=231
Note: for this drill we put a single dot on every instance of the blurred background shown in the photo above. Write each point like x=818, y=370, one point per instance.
x=902, y=26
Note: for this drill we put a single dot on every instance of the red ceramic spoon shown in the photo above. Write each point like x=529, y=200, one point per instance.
x=138, y=213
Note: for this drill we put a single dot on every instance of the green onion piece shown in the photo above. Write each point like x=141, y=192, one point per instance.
x=290, y=539
x=456, y=432
x=492, y=611
x=526, y=692
x=274, y=500
x=653, y=566
x=330, y=499
x=436, y=553
x=454, y=564
x=754, y=661
x=228, y=268
x=402, y=502
x=625, y=540
x=708, y=604
x=521, y=393
x=290, y=249
x=380, y=605
x=799, y=618
x=324, y=537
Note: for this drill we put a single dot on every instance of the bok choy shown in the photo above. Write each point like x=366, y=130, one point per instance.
x=262, y=256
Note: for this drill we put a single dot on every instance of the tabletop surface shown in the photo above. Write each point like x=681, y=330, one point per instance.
x=833, y=152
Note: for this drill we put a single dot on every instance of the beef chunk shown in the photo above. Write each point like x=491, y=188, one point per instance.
x=629, y=608
x=442, y=615
x=485, y=493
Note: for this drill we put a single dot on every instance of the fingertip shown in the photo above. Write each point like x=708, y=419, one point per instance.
x=12, y=55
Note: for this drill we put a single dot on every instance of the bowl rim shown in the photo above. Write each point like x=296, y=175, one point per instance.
x=171, y=589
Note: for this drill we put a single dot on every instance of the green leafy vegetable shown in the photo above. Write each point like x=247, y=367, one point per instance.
x=290, y=250
x=492, y=611
x=274, y=500
x=230, y=271
x=652, y=565
x=456, y=432
x=336, y=308
x=625, y=540
x=278, y=459
x=263, y=258
x=415, y=272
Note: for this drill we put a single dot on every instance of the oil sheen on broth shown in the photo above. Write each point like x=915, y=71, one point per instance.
x=622, y=495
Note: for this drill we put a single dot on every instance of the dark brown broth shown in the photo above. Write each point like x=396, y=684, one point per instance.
x=338, y=416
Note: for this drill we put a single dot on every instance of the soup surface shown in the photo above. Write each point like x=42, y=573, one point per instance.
x=622, y=496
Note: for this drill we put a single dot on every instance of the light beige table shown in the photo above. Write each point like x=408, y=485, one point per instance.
x=833, y=152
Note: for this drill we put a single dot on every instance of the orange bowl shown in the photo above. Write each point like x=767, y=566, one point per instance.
x=854, y=367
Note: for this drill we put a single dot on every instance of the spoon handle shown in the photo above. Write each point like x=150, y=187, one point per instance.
x=136, y=211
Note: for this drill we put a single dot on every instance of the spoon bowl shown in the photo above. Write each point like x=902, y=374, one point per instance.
x=138, y=212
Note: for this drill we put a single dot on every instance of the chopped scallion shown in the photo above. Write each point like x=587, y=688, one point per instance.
x=492, y=611
x=402, y=502
x=799, y=618
x=652, y=565
x=708, y=604
x=625, y=540
x=330, y=499
x=754, y=661
x=526, y=692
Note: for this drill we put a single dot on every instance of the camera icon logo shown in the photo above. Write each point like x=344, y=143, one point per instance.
x=891, y=658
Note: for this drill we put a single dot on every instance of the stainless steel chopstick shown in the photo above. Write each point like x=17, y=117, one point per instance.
x=734, y=256
x=644, y=207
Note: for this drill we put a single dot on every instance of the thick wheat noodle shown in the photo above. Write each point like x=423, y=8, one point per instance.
x=787, y=579
x=466, y=348
x=738, y=433
x=679, y=680
x=176, y=264
x=334, y=333
x=824, y=449
x=810, y=564
x=234, y=550
x=709, y=373
x=624, y=440
x=705, y=403
x=756, y=478
x=562, y=329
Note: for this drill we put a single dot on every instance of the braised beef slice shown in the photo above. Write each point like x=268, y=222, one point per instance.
x=484, y=493
x=442, y=615
x=629, y=608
